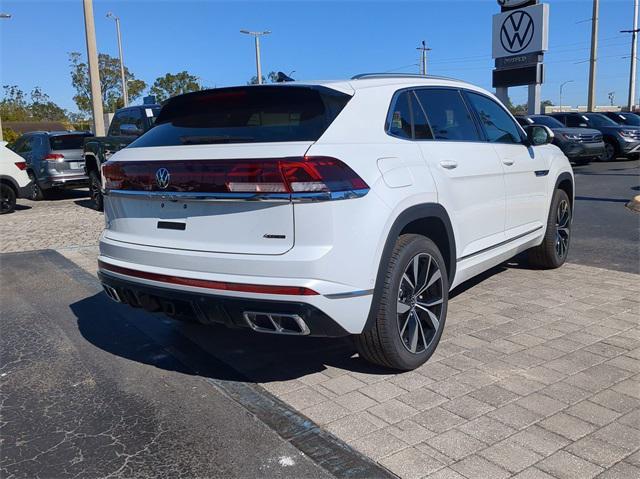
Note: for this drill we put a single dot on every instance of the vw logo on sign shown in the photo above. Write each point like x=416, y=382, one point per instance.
x=517, y=32
x=162, y=178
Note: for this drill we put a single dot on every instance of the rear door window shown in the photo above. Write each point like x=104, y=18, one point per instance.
x=497, y=124
x=251, y=114
x=447, y=114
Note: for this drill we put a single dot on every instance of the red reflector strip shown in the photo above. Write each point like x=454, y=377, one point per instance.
x=203, y=283
x=22, y=165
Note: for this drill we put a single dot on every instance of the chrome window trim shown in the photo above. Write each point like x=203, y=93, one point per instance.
x=268, y=197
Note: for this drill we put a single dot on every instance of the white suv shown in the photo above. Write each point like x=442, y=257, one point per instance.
x=14, y=180
x=330, y=208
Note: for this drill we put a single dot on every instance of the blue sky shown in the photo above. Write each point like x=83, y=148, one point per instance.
x=317, y=39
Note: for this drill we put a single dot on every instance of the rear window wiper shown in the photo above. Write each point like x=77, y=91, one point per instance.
x=210, y=140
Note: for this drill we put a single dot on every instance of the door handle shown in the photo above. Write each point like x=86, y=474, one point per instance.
x=508, y=161
x=449, y=164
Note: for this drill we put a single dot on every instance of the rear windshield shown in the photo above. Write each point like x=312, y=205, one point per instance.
x=250, y=114
x=67, y=142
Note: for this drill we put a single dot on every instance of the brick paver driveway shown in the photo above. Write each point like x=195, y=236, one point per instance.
x=537, y=374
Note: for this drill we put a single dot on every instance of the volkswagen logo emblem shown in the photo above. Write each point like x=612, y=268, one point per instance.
x=162, y=178
x=517, y=32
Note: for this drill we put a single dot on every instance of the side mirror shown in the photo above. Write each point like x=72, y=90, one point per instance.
x=129, y=129
x=539, y=135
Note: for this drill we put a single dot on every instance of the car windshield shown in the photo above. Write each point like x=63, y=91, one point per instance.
x=249, y=114
x=599, y=120
x=546, y=121
x=629, y=118
x=68, y=142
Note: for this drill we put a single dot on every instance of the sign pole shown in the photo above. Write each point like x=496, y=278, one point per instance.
x=534, y=99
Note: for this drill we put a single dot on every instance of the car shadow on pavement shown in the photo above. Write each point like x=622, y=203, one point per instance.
x=85, y=203
x=217, y=352
x=212, y=351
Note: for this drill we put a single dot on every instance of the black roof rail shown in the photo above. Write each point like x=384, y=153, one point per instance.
x=361, y=76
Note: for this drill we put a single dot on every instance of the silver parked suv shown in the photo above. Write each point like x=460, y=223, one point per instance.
x=54, y=160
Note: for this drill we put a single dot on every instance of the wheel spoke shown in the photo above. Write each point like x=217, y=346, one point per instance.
x=402, y=308
x=413, y=337
x=430, y=304
x=406, y=278
x=406, y=322
x=416, y=271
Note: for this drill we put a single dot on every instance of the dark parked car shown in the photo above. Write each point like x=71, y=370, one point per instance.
x=619, y=140
x=54, y=160
x=623, y=117
x=127, y=124
x=580, y=145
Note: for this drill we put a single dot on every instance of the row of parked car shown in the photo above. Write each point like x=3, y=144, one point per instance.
x=72, y=159
x=584, y=137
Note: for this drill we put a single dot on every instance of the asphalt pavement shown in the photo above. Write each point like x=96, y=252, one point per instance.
x=605, y=233
x=91, y=389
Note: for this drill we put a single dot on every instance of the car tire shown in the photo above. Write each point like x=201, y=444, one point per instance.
x=610, y=151
x=408, y=322
x=7, y=199
x=552, y=252
x=36, y=192
x=95, y=188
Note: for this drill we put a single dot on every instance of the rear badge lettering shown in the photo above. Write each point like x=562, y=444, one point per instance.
x=268, y=236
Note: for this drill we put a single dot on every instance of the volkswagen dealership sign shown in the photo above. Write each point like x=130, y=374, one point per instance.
x=521, y=31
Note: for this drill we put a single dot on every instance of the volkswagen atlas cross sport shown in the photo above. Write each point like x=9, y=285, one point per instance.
x=330, y=208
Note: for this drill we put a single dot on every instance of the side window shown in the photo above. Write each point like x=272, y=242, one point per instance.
x=448, y=116
x=116, y=121
x=400, y=117
x=497, y=124
x=421, y=128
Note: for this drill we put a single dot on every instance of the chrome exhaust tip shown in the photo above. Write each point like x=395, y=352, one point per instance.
x=112, y=293
x=276, y=323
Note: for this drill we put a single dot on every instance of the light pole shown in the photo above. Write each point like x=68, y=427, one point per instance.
x=423, y=57
x=593, y=59
x=634, y=49
x=94, y=75
x=561, y=87
x=6, y=16
x=125, y=93
x=257, y=36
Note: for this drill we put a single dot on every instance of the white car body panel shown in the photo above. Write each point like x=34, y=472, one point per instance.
x=496, y=210
x=8, y=160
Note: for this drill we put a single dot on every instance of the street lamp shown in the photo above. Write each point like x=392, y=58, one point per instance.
x=125, y=95
x=257, y=36
x=561, y=87
x=6, y=16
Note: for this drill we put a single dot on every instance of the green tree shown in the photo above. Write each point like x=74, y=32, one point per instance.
x=174, y=84
x=271, y=78
x=15, y=106
x=109, y=68
x=42, y=108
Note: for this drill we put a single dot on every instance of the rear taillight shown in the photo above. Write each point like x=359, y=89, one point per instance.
x=22, y=165
x=293, y=176
x=54, y=157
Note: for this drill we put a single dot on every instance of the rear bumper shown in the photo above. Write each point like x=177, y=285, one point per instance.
x=207, y=308
x=76, y=180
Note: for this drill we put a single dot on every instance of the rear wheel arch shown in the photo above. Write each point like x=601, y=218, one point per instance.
x=427, y=219
x=5, y=180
